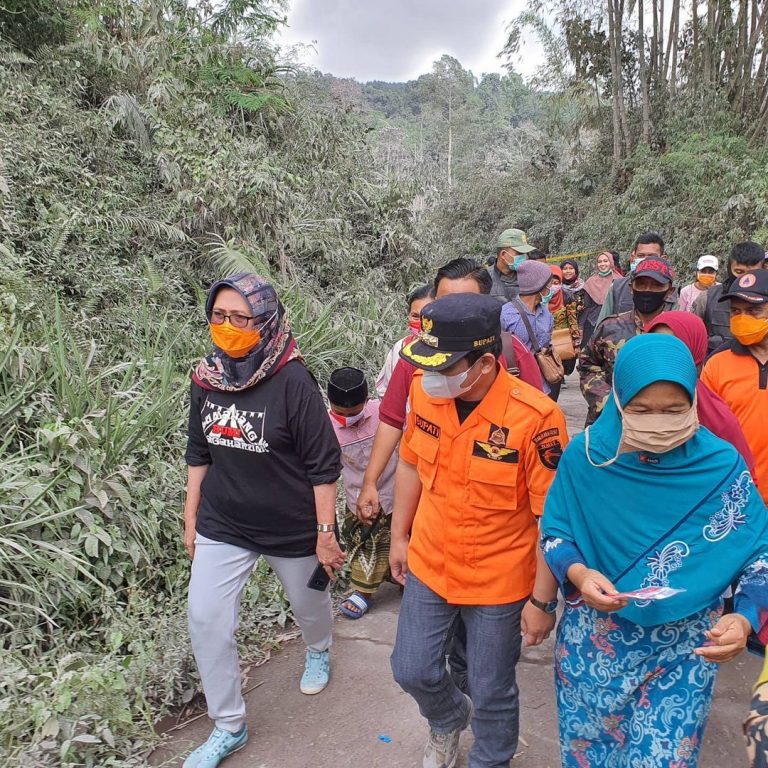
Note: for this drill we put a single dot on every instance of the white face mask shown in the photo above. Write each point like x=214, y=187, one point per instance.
x=437, y=384
x=348, y=421
x=652, y=432
x=351, y=420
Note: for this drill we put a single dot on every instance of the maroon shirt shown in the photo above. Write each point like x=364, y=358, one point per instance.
x=392, y=408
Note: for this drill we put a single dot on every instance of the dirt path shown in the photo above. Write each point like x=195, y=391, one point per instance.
x=363, y=720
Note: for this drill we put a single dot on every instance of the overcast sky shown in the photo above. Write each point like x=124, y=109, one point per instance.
x=399, y=39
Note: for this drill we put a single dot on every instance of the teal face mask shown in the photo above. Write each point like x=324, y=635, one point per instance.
x=548, y=296
x=633, y=264
x=516, y=262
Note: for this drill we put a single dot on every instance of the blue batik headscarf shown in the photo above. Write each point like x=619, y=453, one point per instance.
x=690, y=518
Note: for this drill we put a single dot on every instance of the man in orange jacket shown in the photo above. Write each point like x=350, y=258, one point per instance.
x=476, y=460
x=738, y=372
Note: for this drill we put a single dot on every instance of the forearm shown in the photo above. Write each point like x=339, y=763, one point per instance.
x=325, y=503
x=407, y=494
x=560, y=555
x=384, y=445
x=592, y=378
x=594, y=385
x=752, y=594
x=195, y=477
x=545, y=585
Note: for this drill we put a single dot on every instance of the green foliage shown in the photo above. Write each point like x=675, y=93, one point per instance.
x=703, y=195
x=150, y=146
x=143, y=156
x=24, y=23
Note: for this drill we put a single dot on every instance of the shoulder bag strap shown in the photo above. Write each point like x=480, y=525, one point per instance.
x=526, y=322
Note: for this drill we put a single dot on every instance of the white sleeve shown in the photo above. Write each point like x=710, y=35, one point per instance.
x=385, y=374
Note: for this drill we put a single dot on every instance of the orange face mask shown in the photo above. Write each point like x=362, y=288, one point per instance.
x=749, y=330
x=706, y=279
x=235, y=342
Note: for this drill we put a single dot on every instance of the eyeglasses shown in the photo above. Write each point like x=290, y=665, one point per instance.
x=217, y=317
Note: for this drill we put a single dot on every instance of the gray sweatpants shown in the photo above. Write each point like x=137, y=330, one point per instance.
x=219, y=574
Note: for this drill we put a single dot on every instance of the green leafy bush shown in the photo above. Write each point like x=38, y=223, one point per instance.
x=144, y=154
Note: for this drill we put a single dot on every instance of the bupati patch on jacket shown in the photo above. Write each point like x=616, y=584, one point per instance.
x=549, y=447
x=427, y=426
x=495, y=452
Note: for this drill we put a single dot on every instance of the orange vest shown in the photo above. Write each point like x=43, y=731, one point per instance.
x=743, y=383
x=475, y=533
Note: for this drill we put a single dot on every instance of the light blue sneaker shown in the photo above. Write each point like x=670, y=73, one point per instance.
x=220, y=744
x=317, y=671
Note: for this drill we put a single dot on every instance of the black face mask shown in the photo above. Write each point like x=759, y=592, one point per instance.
x=648, y=302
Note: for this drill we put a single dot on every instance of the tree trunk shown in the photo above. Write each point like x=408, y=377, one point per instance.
x=655, y=40
x=675, y=33
x=739, y=54
x=723, y=50
x=760, y=78
x=450, y=135
x=758, y=128
x=709, y=44
x=661, y=40
x=619, y=19
x=621, y=134
x=615, y=81
x=758, y=30
x=695, y=53
x=670, y=59
x=643, y=73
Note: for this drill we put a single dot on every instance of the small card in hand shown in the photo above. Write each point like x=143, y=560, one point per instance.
x=649, y=593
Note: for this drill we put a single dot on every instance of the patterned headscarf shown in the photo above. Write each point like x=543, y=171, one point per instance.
x=218, y=371
x=577, y=283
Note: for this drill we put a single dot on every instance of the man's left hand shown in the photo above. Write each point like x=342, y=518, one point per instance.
x=535, y=624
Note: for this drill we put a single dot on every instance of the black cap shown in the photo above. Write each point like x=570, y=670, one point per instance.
x=752, y=287
x=451, y=328
x=657, y=269
x=347, y=387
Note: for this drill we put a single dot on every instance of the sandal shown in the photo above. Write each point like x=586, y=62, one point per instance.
x=360, y=603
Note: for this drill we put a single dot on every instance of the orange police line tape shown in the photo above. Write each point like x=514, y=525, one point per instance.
x=577, y=255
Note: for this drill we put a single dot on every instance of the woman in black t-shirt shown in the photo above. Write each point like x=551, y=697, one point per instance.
x=263, y=462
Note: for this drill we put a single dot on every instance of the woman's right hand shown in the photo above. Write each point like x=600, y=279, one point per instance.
x=367, y=504
x=595, y=588
x=189, y=539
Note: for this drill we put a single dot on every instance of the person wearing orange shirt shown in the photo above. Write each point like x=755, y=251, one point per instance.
x=739, y=373
x=478, y=455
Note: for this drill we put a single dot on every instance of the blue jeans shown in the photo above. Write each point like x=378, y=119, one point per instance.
x=424, y=629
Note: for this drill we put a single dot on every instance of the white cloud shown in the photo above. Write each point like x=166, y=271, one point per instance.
x=399, y=39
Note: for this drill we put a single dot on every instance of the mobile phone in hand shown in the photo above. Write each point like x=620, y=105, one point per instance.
x=319, y=579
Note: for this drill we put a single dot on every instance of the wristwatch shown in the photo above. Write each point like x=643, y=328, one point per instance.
x=326, y=527
x=549, y=607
